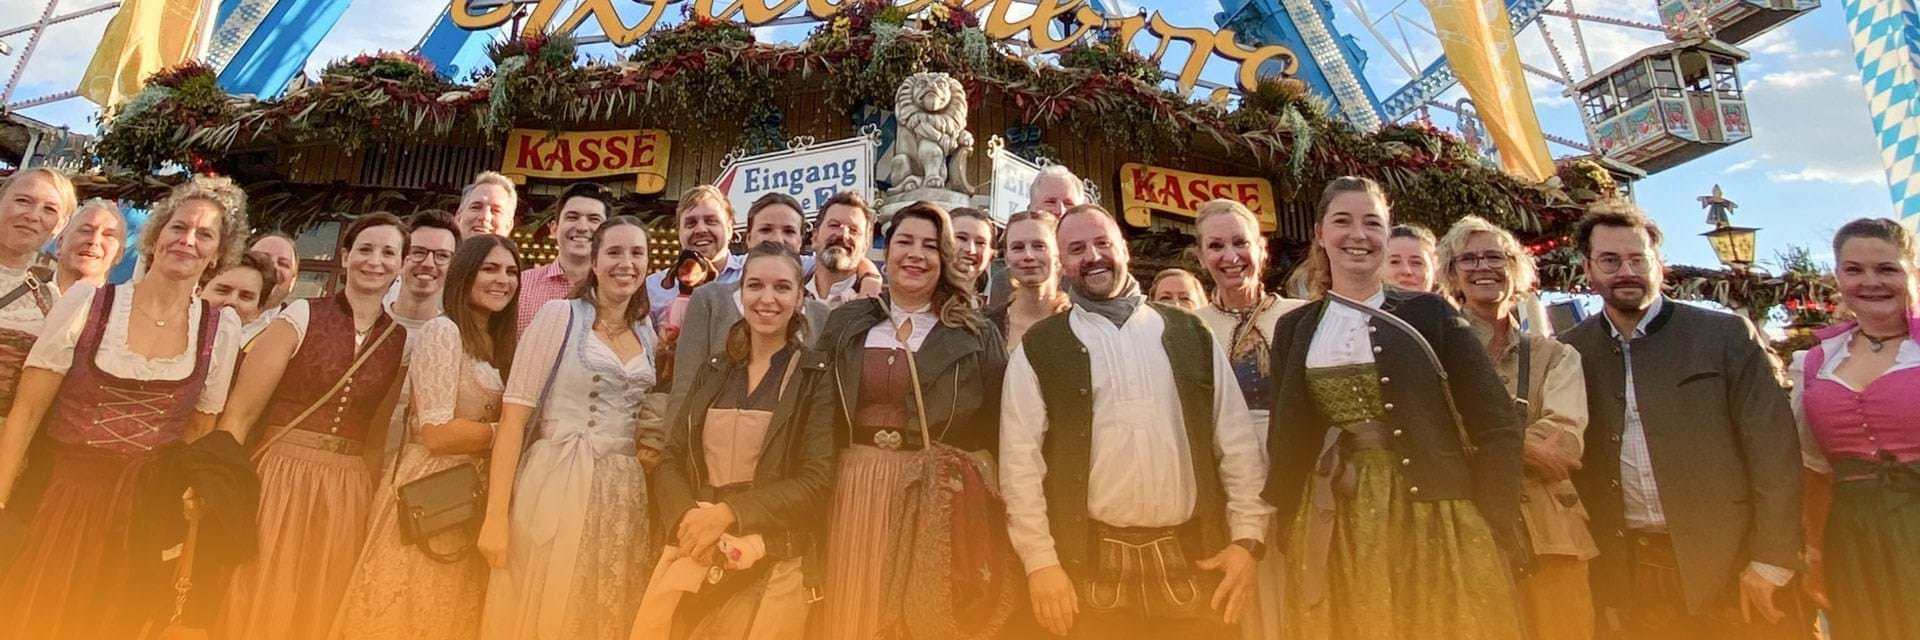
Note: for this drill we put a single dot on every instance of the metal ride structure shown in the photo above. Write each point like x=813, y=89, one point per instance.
x=1642, y=113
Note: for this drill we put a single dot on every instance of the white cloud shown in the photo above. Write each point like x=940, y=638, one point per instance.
x=1746, y=165
x=1778, y=42
x=1834, y=176
x=1795, y=79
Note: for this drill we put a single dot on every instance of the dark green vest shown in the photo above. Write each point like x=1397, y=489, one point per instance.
x=1061, y=364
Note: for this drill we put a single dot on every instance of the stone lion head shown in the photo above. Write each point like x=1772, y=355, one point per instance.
x=930, y=92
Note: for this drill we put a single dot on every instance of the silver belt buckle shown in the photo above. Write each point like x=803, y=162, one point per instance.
x=887, y=439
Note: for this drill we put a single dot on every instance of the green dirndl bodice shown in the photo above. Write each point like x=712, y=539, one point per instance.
x=1397, y=568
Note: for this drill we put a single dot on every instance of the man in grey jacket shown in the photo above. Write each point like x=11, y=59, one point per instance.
x=1692, y=472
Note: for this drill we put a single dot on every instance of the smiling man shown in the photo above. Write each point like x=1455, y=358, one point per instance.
x=423, y=272
x=581, y=209
x=704, y=223
x=1174, y=465
x=487, y=205
x=1692, y=465
x=92, y=243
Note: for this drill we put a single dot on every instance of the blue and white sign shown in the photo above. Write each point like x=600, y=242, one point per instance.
x=811, y=173
x=1012, y=181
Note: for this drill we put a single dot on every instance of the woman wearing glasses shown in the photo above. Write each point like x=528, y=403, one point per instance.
x=1391, y=527
x=1485, y=272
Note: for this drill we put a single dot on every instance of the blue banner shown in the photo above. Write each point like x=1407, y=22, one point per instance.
x=279, y=46
x=455, y=52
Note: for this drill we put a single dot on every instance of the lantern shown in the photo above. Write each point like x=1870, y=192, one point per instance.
x=1733, y=246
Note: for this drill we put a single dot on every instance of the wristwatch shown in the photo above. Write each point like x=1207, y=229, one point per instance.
x=1254, y=547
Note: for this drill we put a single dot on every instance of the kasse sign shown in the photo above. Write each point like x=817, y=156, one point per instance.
x=809, y=173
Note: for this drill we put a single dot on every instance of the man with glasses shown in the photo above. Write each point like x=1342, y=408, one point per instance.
x=1486, y=272
x=579, y=211
x=1692, y=466
x=424, y=273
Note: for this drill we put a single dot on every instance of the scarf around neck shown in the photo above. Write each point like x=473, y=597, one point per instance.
x=1115, y=309
x=1247, y=339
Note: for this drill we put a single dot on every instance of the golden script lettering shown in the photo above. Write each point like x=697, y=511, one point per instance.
x=994, y=20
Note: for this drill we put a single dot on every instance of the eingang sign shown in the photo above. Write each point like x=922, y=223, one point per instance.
x=1037, y=27
x=811, y=173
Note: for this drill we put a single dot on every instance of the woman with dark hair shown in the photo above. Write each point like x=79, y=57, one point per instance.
x=959, y=358
x=1410, y=264
x=1856, y=393
x=405, y=590
x=747, y=463
x=1390, y=524
x=566, y=533
x=319, y=429
x=121, y=378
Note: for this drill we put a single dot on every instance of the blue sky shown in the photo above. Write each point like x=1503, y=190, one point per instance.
x=1811, y=166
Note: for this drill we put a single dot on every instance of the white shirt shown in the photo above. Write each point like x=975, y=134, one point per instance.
x=68, y=318
x=252, y=330
x=1639, y=492
x=23, y=314
x=659, y=297
x=1342, y=337
x=1142, y=473
x=884, y=336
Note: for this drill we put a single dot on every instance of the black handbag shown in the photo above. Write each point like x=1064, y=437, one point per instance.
x=451, y=499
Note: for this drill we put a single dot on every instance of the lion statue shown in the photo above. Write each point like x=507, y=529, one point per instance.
x=931, y=143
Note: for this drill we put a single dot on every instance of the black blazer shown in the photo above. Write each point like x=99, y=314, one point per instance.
x=787, y=503
x=1720, y=433
x=960, y=375
x=1426, y=442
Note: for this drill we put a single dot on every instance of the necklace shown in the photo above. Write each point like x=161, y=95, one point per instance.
x=1877, y=343
x=157, y=321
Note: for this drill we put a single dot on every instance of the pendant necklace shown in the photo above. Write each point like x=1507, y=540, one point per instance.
x=1877, y=343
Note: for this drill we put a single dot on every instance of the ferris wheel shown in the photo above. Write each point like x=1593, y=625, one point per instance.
x=1655, y=83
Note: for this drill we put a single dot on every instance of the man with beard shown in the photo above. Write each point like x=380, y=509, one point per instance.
x=424, y=270
x=487, y=205
x=973, y=236
x=704, y=222
x=1691, y=473
x=278, y=249
x=581, y=209
x=773, y=219
x=1148, y=526
x=841, y=271
x=91, y=244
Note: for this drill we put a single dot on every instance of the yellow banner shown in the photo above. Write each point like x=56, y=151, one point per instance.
x=1145, y=189
x=589, y=154
x=144, y=36
x=1478, y=38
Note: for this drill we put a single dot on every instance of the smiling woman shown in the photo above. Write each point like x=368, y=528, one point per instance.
x=315, y=487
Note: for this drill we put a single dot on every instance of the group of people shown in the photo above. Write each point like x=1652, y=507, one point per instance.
x=796, y=440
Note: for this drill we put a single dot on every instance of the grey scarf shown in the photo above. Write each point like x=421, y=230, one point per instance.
x=1115, y=309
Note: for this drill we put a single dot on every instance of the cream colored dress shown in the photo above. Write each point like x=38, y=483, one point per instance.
x=397, y=592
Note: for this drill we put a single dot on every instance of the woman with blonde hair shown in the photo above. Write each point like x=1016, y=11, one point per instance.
x=1241, y=313
x=1178, y=287
x=1033, y=264
x=1392, y=529
x=1486, y=272
x=121, y=379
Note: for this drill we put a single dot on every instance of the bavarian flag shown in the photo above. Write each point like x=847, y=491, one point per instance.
x=145, y=36
x=1477, y=36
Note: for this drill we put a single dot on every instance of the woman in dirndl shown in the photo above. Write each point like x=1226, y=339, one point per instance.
x=318, y=439
x=121, y=378
x=1397, y=530
x=1241, y=313
x=745, y=472
x=928, y=310
x=566, y=529
x=1856, y=393
x=432, y=589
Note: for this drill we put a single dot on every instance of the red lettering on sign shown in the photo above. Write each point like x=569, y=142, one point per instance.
x=1169, y=193
x=589, y=155
x=1198, y=190
x=616, y=152
x=642, y=150
x=561, y=159
x=529, y=156
x=1142, y=184
x=1250, y=195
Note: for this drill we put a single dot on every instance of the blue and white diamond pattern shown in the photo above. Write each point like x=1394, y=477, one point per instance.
x=1886, y=47
x=232, y=33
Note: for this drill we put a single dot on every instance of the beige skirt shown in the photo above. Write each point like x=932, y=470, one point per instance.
x=397, y=592
x=867, y=490
x=313, y=518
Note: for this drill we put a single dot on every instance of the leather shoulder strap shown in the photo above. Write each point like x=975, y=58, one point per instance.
x=1433, y=358
x=337, y=384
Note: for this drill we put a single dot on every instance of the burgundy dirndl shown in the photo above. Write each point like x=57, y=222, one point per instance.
x=86, y=569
